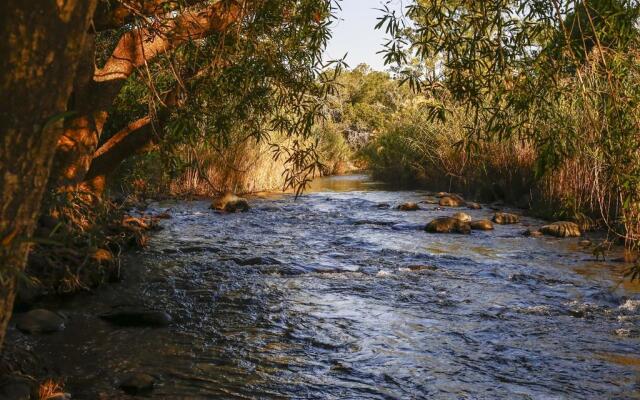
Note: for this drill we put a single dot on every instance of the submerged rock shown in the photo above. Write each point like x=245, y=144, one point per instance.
x=230, y=203
x=473, y=206
x=503, y=218
x=138, y=318
x=451, y=201
x=532, y=233
x=409, y=206
x=481, y=225
x=448, y=225
x=40, y=321
x=464, y=217
x=256, y=261
x=137, y=383
x=383, y=206
x=430, y=200
x=562, y=229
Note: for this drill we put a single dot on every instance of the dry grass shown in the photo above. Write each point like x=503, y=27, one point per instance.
x=51, y=389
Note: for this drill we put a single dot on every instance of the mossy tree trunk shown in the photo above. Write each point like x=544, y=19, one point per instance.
x=39, y=52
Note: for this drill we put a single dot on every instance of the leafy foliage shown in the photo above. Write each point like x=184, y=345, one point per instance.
x=559, y=74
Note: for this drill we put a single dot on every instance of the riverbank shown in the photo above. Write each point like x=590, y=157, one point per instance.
x=330, y=296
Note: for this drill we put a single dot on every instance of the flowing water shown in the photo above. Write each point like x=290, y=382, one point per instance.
x=330, y=297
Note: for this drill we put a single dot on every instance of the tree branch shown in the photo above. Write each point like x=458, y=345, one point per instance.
x=141, y=45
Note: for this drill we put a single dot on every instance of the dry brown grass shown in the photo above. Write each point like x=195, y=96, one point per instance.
x=51, y=389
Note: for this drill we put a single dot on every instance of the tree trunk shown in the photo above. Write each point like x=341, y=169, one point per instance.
x=39, y=51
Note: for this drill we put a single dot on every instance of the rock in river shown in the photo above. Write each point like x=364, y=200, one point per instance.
x=562, y=229
x=451, y=201
x=230, y=203
x=464, y=217
x=473, y=206
x=532, y=233
x=408, y=207
x=448, y=225
x=137, y=383
x=481, y=225
x=40, y=321
x=137, y=317
x=503, y=218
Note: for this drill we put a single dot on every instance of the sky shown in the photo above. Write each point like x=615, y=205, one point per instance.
x=354, y=33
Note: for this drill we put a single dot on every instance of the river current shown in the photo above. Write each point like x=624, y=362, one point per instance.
x=330, y=297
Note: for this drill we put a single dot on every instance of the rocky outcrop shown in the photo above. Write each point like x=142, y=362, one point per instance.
x=481, y=225
x=502, y=218
x=464, y=217
x=40, y=321
x=562, y=229
x=448, y=225
x=409, y=206
x=230, y=203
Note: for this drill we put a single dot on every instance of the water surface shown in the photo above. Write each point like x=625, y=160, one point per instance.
x=349, y=301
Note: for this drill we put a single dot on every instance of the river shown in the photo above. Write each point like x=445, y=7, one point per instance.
x=330, y=297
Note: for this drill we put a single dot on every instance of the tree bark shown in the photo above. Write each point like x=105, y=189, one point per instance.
x=135, y=48
x=41, y=46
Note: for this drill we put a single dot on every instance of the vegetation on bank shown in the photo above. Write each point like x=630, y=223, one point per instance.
x=535, y=104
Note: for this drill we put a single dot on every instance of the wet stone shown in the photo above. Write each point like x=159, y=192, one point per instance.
x=383, y=206
x=40, y=321
x=448, y=225
x=408, y=207
x=464, y=217
x=137, y=318
x=481, y=225
x=532, y=233
x=503, y=218
x=137, y=384
x=473, y=206
x=451, y=201
x=562, y=229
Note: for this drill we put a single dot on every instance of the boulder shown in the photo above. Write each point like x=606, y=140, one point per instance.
x=473, y=206
x=562, y=229
x=448, y=225
x=503, y=218
x=481, y=225
x=131, y=317
x=451, y=201
x=137, y=383
x=40, y=321
x=464, y=217
x=230, y=203
x=408, y=207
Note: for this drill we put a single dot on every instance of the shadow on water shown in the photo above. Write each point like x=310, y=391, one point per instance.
x=329, y=297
